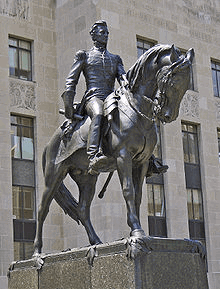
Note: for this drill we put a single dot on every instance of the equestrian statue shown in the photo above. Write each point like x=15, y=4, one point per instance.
x=111, y=130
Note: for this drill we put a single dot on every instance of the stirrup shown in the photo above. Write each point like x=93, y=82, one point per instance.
x=97, y=163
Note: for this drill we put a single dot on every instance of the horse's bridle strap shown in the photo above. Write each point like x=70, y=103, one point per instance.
x=127, y=94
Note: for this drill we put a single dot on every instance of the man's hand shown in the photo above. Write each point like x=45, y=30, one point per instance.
x=124, y=81
x=69, y=111
x=68, y=97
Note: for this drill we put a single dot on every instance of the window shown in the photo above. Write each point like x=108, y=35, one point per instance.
x=193, y=182
x=23, y=185
x=218, y=132
x=20, y=65
x=155, y=189
x=23, y=222
x=22, y=142
x=143, y=46
x=190, y=144
x=194, y=204
x=156, y=210
x=216, y=77
x=23, y=202
x=156, y=198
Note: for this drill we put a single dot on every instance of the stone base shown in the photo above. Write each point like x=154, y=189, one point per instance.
x=169, y=264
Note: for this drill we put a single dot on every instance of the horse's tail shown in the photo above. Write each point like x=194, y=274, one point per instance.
x=67, y=202
x=63, y=196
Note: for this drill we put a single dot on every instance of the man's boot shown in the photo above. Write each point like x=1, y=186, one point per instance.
x=97, y=160
x=156, y=167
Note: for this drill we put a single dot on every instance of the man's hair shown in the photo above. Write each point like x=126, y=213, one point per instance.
x=96, y=25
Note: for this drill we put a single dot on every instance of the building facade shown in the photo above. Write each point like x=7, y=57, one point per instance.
x=39, y=39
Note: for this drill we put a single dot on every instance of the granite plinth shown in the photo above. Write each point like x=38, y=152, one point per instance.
x=169, y=264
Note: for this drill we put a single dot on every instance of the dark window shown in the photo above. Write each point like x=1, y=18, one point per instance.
x=23, y=250
x=190, y=143
x=218, y=132
x=193, y=182
x=143, y=46
x=216, y=77
x=156, y=210
x=23, y=185
x=20, y=64
x=156, y=197
x=22, y=138
x=23, y=202
x=155, y=188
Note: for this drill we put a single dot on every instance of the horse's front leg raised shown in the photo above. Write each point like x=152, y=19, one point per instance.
x=124, y=167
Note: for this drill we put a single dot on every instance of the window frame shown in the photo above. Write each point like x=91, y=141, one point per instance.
x=20, y=127
x=22, y=190
x=216, y=71
x=19, y=51
x=193, y=183
x=195, y=135
x=143, y=41
x=218, y=137
x=156, y=224
x=24, y=228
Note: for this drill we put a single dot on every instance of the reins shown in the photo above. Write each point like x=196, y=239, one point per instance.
x=158, y=102
x=157, y=105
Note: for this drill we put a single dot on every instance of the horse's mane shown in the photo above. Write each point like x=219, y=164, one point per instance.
x=137, y=70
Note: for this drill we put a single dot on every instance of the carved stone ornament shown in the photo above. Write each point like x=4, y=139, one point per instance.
x=15, y=8
x=22, y=94
x=190, y=104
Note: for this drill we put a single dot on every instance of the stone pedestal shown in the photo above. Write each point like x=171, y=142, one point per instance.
x=168, y=264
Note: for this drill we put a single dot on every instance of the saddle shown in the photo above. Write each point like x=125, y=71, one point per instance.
x=74, y=133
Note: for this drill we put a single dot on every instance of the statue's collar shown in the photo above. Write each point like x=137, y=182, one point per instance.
x=100, y=49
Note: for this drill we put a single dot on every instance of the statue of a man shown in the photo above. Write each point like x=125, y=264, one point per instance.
x=100, y=69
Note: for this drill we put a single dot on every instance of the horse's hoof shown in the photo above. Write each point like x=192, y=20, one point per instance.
x=39, y=262
x=137, y=244
x=91, y=254
x=138, y=233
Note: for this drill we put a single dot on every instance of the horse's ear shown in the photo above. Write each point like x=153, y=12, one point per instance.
x=173, y=55
x=190, y=54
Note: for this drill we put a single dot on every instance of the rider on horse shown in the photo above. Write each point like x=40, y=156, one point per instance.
x=100, y=69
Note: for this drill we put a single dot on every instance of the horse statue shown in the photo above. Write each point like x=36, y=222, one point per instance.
x=157, y=82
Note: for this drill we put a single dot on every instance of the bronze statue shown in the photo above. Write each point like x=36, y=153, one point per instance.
x=100, y=69
x=156, y=84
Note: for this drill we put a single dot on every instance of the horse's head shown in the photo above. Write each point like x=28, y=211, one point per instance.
x=161, y=76
x=172, y=83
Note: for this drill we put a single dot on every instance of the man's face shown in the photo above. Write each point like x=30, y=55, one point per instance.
x=101, y=34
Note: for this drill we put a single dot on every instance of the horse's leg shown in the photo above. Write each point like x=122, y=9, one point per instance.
x=52, y=182
x=138, y=174
x=86, y=185
x=124, y=167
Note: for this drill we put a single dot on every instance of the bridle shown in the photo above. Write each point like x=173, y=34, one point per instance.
x=160, y=97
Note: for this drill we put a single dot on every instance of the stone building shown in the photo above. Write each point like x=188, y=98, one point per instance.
x=39, y=39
